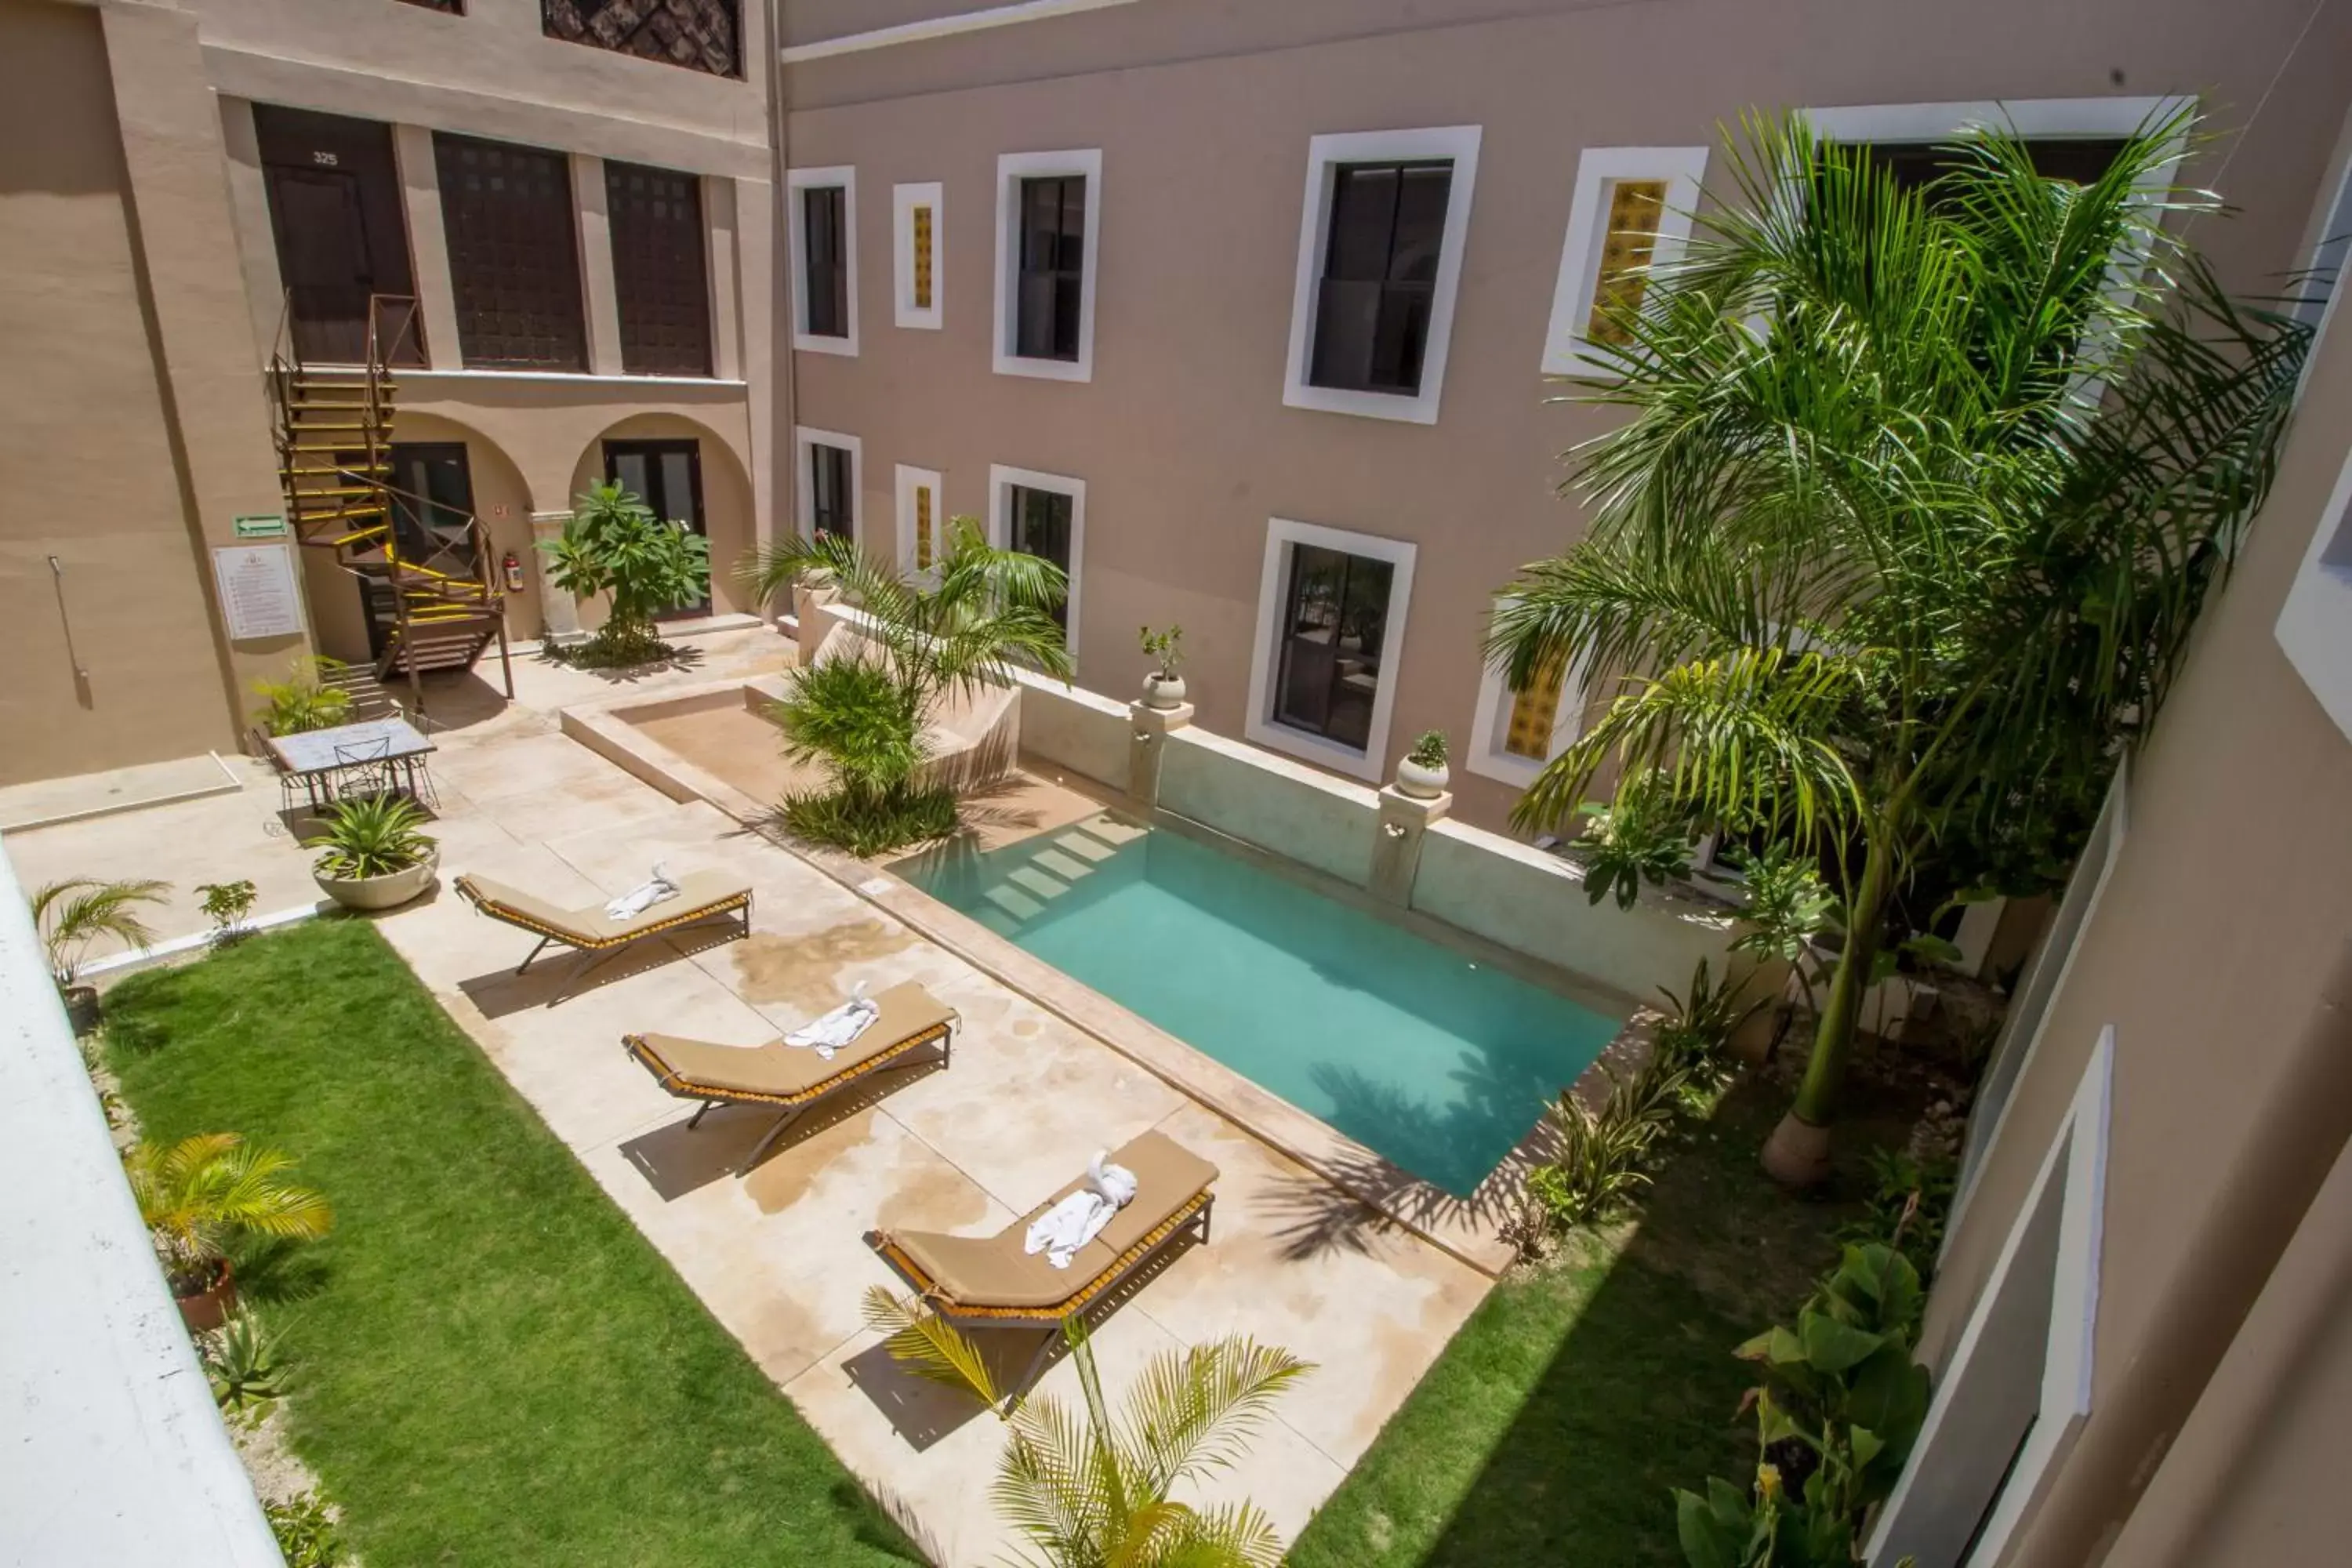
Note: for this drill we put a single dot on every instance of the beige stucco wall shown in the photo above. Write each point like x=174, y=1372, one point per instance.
x=1182, y=438
x=2228, y=911
x=129, y=449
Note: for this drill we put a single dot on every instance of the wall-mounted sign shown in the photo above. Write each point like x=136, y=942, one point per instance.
x=261, y=525
x=257, y=596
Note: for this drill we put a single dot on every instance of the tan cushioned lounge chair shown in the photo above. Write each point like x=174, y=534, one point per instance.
x=991, y=1282
x=795, y=1078
x=701, y=896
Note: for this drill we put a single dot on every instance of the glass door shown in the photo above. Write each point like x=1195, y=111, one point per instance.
x=667, y=477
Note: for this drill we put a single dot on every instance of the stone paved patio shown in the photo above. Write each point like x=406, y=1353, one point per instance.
x=779, y=1257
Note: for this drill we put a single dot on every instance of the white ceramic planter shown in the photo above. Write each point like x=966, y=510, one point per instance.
x=388, y=893
x=1421, y=783
x=1163, y=691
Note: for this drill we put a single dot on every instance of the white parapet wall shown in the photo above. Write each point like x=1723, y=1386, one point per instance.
x=116, y=1454
x=1254, y=795
x=1534, y=902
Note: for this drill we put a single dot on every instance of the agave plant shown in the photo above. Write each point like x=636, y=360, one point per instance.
x=370, y=836
x=246, y=1365
x=1094, y=1492
x=75, y=912
x=199, y=1193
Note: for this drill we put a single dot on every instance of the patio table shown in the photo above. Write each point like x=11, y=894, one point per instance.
x=325, y=761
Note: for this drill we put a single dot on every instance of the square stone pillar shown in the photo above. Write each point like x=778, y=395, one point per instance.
x=558, y=612
x=1147, y=744
x=1396, y=842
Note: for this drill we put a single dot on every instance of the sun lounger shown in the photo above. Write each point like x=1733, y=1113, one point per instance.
x=991, y=1282
x=701, y=896
x=791, y=1078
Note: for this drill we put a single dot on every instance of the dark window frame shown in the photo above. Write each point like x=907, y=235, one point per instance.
x=514, y=265
x=661, y=268
x=653, y=450
x=1062, y=510
x=1297, y=650
x=1049, y=271
x=1389, y=357
x=825, y=243
x=832, y=468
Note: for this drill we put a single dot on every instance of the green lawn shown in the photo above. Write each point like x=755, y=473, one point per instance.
x=1553, y=1426
x=494, y=1367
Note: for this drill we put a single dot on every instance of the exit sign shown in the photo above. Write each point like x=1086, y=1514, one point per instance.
x=261, y=525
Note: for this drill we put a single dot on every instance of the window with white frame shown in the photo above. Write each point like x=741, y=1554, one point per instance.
x=821, y=219
x=1043, y=515
x=923, y=524
x=1330, y=633
x=1629, y=212
x=1380, y=232
x=1517, y=732
x=831, y=469
x=2017, y=1387
x=919, y=275
x=1048, y=224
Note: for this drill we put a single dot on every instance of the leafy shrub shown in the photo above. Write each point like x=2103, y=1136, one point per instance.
x=303, y=701
x=1602, y=1153
x=307, y=1536
x=1165, y=649
x=1910, y=1201
x=614, y=546
x=1428, y=750
x=226, y=904
x=912, y=816
x=1787, y=904
x=859, y=722
x=1840, y=1406
x=1704, y=1018
x=246, y=1365
x=370, y=836
x=1642, y=837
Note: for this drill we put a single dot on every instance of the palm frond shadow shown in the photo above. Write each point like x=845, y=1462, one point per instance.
x=1358, y=1195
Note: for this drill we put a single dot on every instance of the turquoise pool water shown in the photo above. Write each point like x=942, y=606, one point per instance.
x=1440, y=1063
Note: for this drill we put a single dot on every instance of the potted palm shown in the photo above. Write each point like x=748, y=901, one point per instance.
x=201, y=1192
x=1422, y=773
x=373, y=854
x=1164, y=688
x=74, y=913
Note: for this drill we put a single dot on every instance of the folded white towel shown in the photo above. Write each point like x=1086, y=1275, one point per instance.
x=840, y=1026
x=643, y=896
x=1069, y=1224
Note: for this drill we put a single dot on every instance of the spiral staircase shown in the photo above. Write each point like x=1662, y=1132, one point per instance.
x=431, y=584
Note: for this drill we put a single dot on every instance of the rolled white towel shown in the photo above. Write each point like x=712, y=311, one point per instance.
x=1116, y=1182
x=840, y=1026
x=643, y=896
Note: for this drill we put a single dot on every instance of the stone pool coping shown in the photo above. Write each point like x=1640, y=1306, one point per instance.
x=1468, y=1228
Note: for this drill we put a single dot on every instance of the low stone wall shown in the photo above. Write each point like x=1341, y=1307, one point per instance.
x=1254, y=795
x=1071, y=727
x=1534, y=903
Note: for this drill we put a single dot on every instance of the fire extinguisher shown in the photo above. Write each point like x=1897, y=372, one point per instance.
x=512, y=567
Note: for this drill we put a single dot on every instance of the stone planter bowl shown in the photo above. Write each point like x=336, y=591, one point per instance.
x=1163, y=692
x=385, y=892
x=1421, y=783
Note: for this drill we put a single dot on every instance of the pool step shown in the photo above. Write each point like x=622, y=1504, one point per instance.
x=1028, y=890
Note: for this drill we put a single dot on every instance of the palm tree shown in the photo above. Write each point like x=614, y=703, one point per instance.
x=196, y=1195
x=1095, y=1493
x=985, y=608
x=1906, y=570
x=75, y=912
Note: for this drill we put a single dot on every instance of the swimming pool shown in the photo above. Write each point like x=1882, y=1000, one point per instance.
x=1438, y=1062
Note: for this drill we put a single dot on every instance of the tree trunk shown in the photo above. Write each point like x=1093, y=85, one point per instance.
x=1798, y=1153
